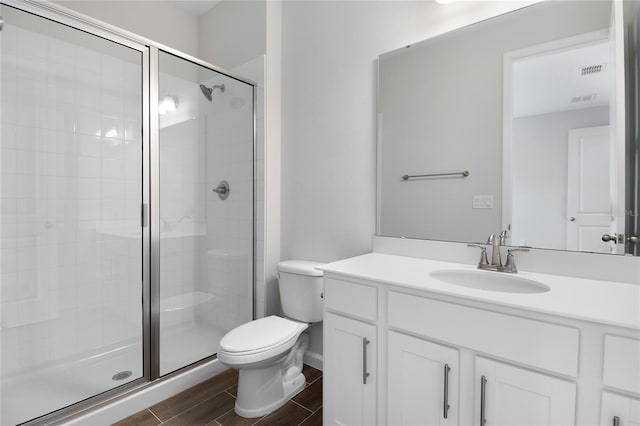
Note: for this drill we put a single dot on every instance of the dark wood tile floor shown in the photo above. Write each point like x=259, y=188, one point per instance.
x=211, y=403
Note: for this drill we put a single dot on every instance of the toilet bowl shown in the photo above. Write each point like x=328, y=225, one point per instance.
x=268, y=352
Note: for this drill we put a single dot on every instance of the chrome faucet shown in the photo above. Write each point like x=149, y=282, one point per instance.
x=504, y=235
x=496, y=258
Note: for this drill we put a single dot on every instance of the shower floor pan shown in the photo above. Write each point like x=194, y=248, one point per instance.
x=30, y=395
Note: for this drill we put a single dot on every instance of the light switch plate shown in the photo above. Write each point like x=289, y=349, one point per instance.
x=483, y=201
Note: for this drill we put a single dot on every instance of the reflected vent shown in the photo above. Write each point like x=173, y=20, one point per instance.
x=585, y=98
x=592, y=69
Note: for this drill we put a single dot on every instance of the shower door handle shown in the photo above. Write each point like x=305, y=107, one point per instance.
x=222, y=190
x=144, y=214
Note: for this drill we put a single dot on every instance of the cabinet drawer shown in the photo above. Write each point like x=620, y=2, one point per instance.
x=350, y=298
x=539, y=344
x=622, y=363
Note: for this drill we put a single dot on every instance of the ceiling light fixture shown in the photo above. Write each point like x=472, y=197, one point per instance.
x=168, y=104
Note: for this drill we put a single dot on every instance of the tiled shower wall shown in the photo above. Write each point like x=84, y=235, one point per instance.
x=70, y=197
x=181, y=211
x=255, y=70
x=228, y=246
x=206, y=244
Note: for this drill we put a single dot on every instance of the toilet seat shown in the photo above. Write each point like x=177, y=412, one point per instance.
x=259, y=340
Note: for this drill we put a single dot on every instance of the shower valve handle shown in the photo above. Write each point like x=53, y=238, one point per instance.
x=222, y=190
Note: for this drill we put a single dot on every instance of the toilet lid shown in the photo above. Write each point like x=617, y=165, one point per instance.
x=259, y=334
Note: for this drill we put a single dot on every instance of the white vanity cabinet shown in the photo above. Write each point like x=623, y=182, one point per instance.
x=426, y=349
x=621, y=373
x=350, y=353
x=507, y=396
x=619, y=410
x=502, y=394
x=422, y=382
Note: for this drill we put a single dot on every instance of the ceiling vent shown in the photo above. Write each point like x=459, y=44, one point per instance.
x=585, y=98
x=592, y=69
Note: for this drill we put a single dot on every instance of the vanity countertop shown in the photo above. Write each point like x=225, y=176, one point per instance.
x=603, y=302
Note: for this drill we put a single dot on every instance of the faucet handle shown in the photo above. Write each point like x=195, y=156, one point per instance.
x=510, y=265
x=504, y=235
x=483, y=254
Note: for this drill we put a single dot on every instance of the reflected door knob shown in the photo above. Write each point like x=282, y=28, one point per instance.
x=613, y=238
x=572, y=219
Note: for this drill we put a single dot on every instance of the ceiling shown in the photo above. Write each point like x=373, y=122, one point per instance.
x=555, y=81
x=194, y=7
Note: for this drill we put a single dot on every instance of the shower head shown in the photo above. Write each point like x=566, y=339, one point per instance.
x=208, y=91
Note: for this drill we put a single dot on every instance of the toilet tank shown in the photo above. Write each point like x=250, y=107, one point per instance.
x=300, y=287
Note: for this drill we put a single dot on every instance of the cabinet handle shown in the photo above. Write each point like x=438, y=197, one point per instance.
x=446, y=390
x=365, y=374
x=616, y=421
x=483, y=392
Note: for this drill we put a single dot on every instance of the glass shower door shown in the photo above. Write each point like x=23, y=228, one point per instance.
x=205, y=222
x=70, y=232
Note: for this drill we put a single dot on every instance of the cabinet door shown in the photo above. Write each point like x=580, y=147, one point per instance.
x=350, y=379
x=417, y=373
x=514, y=396
x=624, y=408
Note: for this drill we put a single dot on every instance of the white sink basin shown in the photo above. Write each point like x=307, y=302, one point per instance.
x=490, y=281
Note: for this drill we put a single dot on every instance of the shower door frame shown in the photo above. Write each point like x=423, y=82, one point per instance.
x=149, y=209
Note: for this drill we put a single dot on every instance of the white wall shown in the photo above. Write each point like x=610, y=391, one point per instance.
x=329, y=113
x=156, y=20
x=273, y=155
x=539, y=167
x=233, y=33
x=329, y=54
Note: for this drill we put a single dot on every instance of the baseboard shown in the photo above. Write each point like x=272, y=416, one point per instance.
x=313, y=359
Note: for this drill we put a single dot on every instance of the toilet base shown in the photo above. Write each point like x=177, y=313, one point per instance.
x=265, y=389
x=269, y=398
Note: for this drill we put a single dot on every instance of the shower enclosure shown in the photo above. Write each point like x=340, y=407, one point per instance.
x=126, y=206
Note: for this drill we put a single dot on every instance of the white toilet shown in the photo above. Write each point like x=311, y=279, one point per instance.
x=268, y=352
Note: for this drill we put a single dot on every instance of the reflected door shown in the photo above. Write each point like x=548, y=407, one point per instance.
x=589, y=195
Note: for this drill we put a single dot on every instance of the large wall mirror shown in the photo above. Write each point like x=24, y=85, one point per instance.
x=524, y=122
